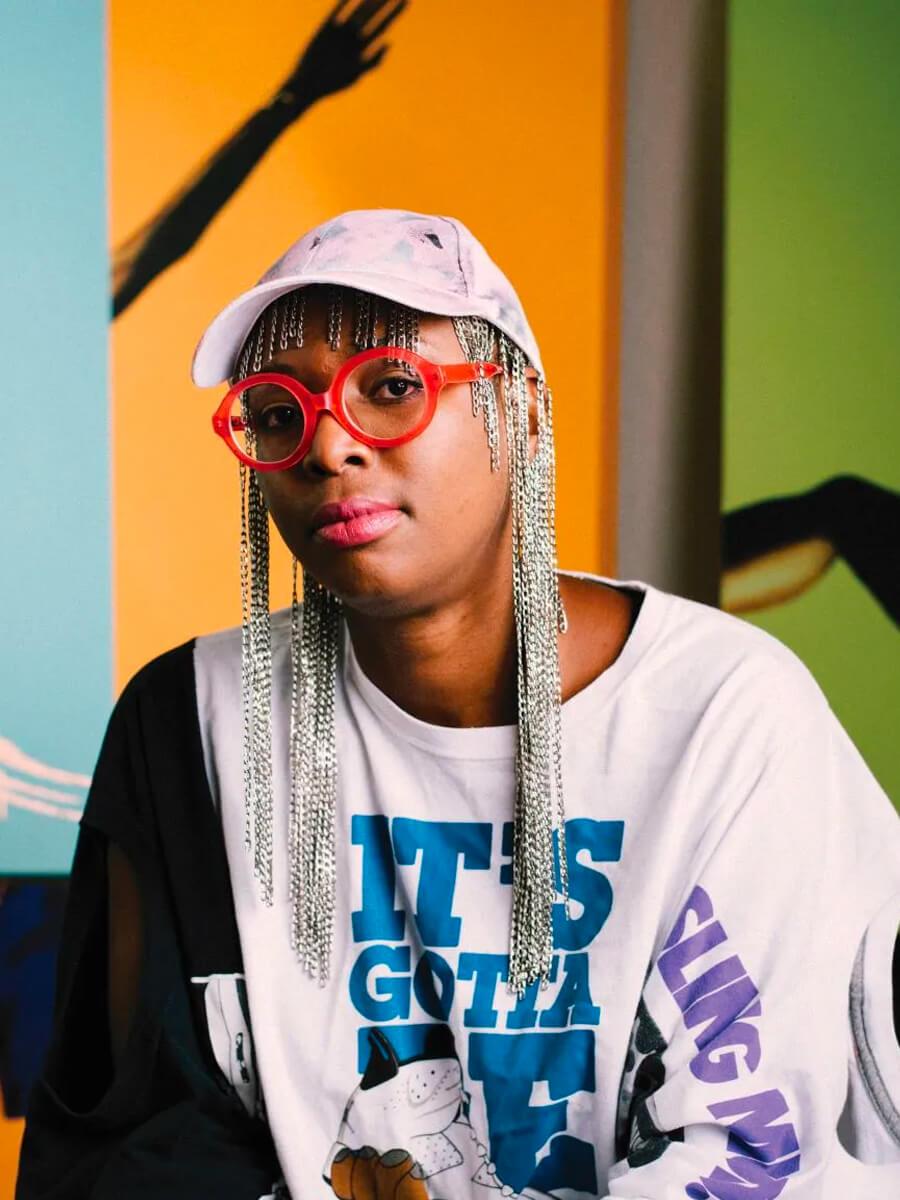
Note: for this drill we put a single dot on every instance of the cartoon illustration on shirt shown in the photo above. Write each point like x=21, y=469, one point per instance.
x=637, y=1137
x=410, y=1119
x=227, y=1016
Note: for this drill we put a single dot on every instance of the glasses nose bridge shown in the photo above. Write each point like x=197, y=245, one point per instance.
x=329, y=401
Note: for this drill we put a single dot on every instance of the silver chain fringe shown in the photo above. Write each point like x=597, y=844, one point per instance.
x=256, y=679
x=315, y=634
x=540, y=866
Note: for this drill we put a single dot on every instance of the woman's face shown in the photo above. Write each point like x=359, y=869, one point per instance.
x=446, y=529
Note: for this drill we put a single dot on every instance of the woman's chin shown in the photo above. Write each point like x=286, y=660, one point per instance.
x=368, y=586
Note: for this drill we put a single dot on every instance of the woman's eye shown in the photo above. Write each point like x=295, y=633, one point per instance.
x=396, y=388
x=276, y=417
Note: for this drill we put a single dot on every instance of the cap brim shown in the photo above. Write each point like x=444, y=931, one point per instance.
x=216, y=354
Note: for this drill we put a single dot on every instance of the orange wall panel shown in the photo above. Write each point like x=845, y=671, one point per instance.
x=10, y=1142
x=503, y=115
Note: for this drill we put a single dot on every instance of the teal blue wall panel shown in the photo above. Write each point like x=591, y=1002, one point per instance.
x=55, y=604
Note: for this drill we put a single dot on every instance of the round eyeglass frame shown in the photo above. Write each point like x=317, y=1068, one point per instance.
x=434, y=376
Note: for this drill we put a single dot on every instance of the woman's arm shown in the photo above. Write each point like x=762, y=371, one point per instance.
x=125, y=939
x=736, y=1083
x=132, y=1100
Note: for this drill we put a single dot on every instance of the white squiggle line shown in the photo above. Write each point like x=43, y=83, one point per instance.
x=12, y=800
x=36, y=797
x=22, y=786
x=17, y=760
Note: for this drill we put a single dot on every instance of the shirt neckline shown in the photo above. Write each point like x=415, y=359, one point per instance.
x=500, y=741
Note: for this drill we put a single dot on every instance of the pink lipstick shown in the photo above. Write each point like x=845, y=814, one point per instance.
x=354, y=522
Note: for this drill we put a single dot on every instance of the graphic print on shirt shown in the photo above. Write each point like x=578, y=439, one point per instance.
x=637, y=1138
x=227, y=1016
x=530, y=1061
x=721, y=1007
x=421, y=1106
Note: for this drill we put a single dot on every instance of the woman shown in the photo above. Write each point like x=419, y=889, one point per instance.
x=349, y=943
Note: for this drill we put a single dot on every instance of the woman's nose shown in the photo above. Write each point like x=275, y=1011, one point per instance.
x=333, y=449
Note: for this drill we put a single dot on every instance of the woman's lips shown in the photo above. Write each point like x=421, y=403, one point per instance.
x=358, y=527
x=359, y=530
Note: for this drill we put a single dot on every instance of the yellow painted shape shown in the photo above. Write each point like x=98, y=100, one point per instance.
x=10, y=1143
x=503, y=114
x=777, y=576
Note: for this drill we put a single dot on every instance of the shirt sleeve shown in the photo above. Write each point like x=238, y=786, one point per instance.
x=163, y=1120
x=737, y=1073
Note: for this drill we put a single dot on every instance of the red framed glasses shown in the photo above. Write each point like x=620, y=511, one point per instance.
x=383, y=397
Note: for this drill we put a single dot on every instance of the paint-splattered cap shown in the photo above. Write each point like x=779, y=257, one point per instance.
x=433, y=264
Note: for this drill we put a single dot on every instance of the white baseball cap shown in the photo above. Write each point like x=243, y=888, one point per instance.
x=429, y=263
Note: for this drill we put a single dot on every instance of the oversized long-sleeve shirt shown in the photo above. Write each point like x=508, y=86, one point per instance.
x=718, y=1017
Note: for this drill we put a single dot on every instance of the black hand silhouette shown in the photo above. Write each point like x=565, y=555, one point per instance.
x=860, y=519
x=334, y=58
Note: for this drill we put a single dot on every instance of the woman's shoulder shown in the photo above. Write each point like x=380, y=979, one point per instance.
x=215, y=649
x=217, y=655
x=160, y=672
x=677, y=625
x=690, y=658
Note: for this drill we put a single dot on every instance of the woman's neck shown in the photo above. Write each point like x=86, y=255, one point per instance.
x=453, y=666
x=456, y=665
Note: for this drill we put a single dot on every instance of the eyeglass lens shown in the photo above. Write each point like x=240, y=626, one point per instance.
x=382, y=397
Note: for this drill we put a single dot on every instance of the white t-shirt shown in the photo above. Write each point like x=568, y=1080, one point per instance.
x=728, y=850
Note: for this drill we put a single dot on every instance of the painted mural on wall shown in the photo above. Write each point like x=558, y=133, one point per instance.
x=811, y=476
x=775, y=549
x=343, y=49
x=120, y=559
